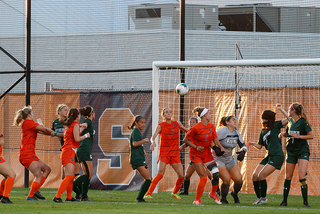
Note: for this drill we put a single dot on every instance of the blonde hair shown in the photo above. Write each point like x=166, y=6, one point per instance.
x=21, y=115
x=59, y=107
x=299, y=109
x=198, y=110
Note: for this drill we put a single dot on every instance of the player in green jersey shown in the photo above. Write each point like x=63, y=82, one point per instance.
x=274, y=155
x=81, y=183
x=297, y=133
x=137, y=157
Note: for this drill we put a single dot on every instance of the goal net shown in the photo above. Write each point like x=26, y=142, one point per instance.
x=243, y=88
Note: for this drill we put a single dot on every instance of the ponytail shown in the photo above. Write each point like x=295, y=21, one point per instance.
x=136, y=119
x=72, y=116
x=21, y=115
x=299, y=109
x=223, y=121
x=86, y=111
x=198, y=110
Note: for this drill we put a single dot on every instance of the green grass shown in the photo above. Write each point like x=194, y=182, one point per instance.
x=162, y=203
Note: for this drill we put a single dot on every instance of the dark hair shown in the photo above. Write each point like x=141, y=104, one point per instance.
x=72, y=116
x=86, y=111
x=299, y=109
x=223, y=121
x=198, y=110
x=194, y=118
x=136, y=119
x=270, y=116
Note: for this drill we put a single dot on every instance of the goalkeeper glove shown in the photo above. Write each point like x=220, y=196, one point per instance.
x=241, y=155
x=218, y=151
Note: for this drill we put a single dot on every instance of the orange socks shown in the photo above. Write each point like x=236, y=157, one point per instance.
x=214, y=189
x=8, y=186
x=69, y=189
x=200, y=188
x=35, y=186
x=178, y=185
x=154, y=183
x=2, y=186
x=64, y=185
x=42, y=181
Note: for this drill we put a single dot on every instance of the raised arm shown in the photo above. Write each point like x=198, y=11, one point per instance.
x=284, y=121
x=181, y=127
x=76, y=133
x=44, y=130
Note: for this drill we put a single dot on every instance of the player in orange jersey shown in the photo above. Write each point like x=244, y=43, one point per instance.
x=9, y=176
x=27, y=155
x=71, y=142
x=168, y=151
x=201, y=138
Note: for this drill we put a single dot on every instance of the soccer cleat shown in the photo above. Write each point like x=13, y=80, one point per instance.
x=78, y=196
x=1, y=196
x=57, y=200
x=72, y=200
x=140, y=200
x=184, y=193
x=224, y=202
x=147, y=197
x=215, y=198
x=257, y=201
x=39, y=196
x=306, y=204
x=6, y=200
x=197, y=202
x=283, y=204
x=263, y=200
x=235, y=197
x=32, y=198
x=84, y=198
x=175, y=196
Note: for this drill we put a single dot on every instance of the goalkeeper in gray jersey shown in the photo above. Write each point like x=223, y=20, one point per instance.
x=229, y=138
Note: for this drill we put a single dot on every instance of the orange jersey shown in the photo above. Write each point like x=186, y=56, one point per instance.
x=68, y=137
x=169, y=135
x=202, y=135
x=28, y=137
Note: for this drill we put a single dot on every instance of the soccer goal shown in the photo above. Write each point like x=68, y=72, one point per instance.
x=243, y=88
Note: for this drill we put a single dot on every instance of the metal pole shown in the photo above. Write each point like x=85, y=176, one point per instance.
x=182, y=70
x=237, y=97
x=28, y=75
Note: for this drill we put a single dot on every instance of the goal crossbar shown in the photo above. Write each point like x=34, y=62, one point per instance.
x=254, y=62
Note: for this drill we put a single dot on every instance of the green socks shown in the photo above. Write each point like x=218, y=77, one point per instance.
x=144, y=189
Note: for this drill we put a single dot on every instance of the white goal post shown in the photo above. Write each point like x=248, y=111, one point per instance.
x=214, y=85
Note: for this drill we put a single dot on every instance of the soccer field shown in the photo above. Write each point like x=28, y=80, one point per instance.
x=123, y=202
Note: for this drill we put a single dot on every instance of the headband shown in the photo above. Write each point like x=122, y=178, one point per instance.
x=61, y=107
x=89, y=113
x=293, y=108
x=225, y=120
x=203, y=112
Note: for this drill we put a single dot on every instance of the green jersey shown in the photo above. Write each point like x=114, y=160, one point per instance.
x=299, y=127
x=85, y=146
x=136, y=153
x=270, y=140
x=59, y=128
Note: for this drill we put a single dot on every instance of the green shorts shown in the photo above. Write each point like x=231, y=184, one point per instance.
x=84, y=156
x=137, y=164
x=293, y=157
x=275, y=161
